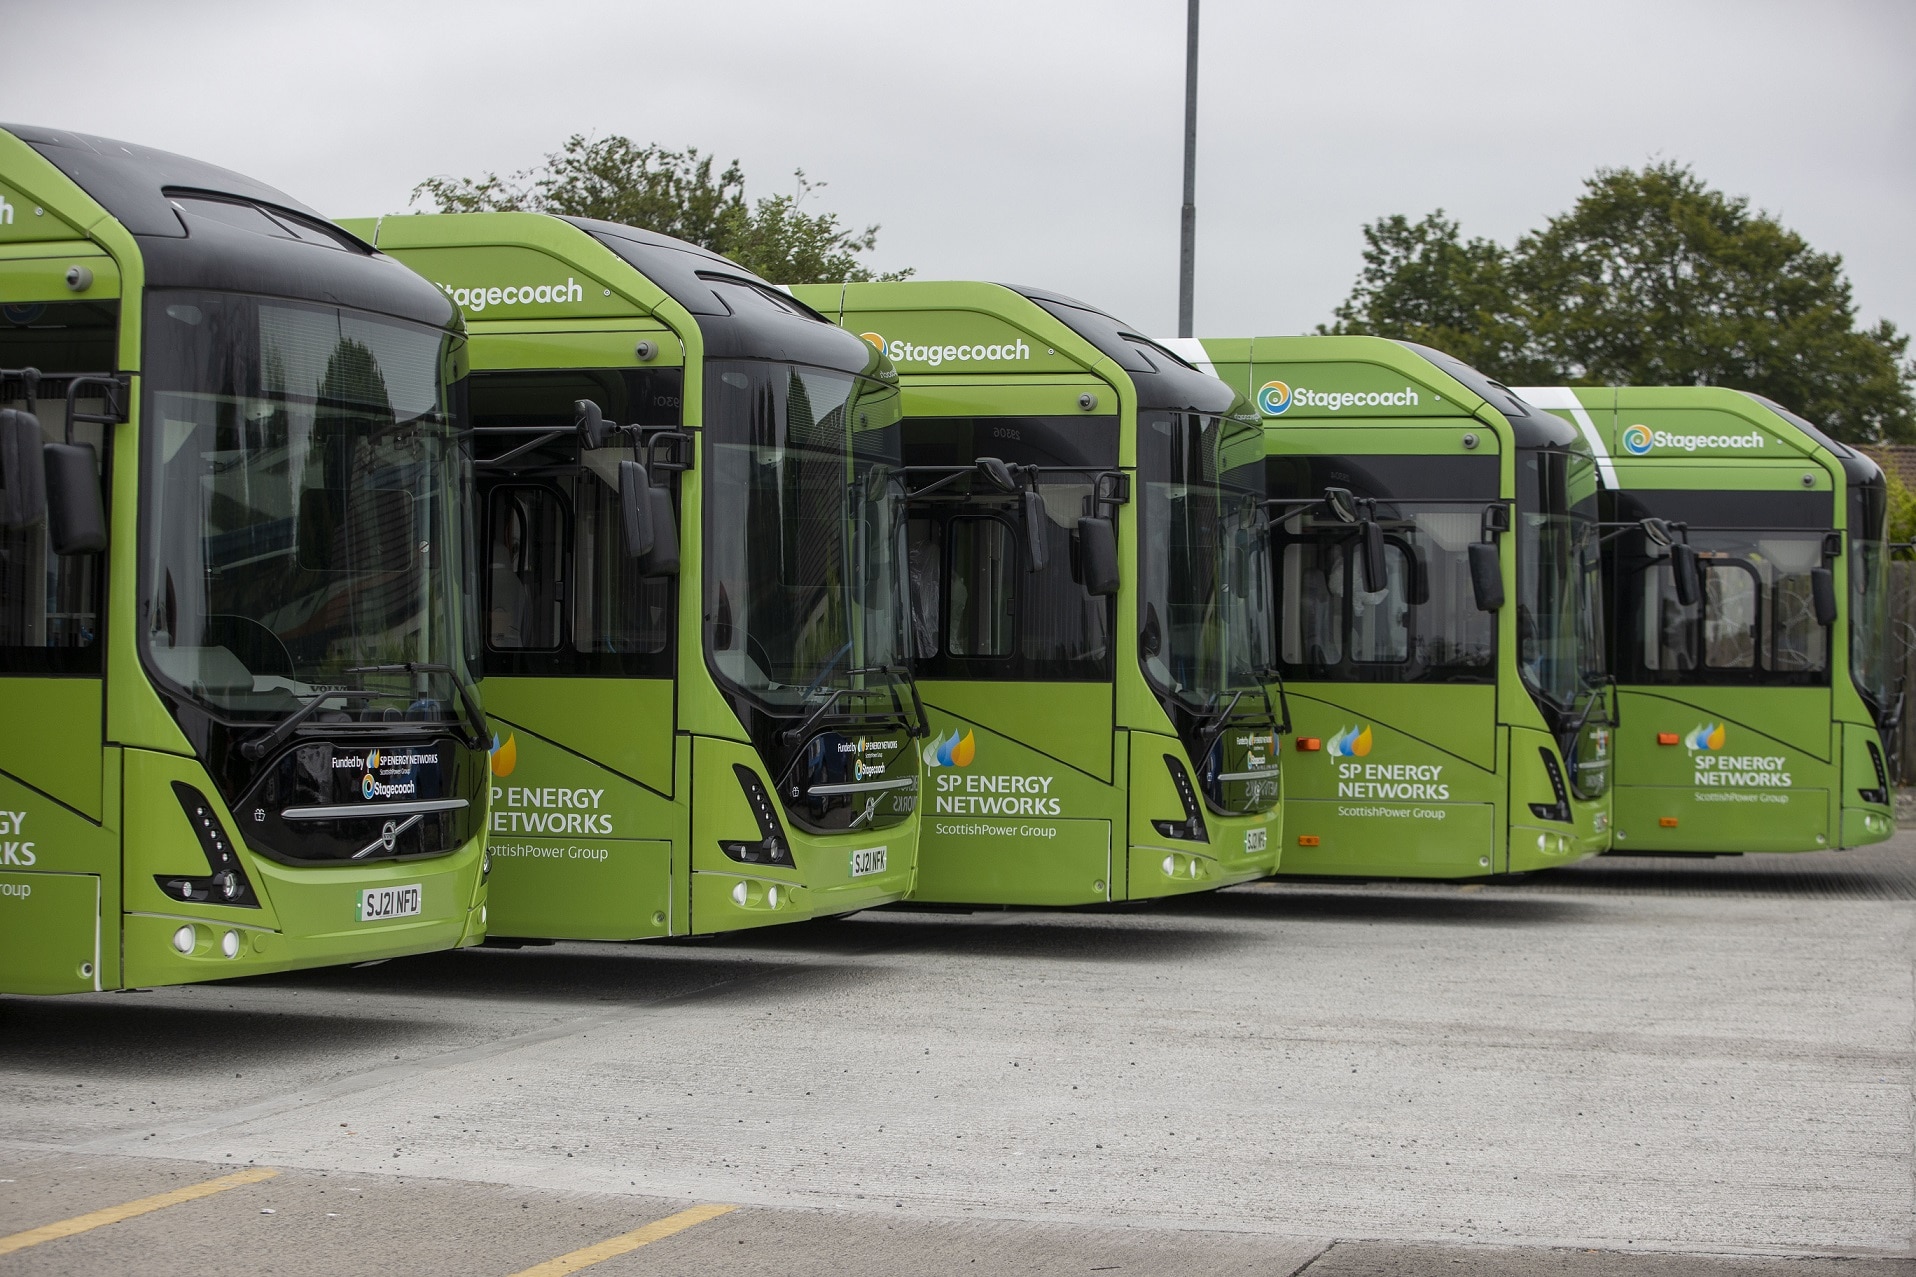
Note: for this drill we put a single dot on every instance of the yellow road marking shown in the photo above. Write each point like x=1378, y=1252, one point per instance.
x=127, y=1210
x=624, y=1242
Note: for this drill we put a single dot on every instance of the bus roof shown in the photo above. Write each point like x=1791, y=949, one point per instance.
x=202, y=226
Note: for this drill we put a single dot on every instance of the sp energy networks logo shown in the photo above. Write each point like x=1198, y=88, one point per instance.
x=504, y=757
x=901, y=351
x=1709, y=736
x=1273, y=398
x=1638, y=440
x=1352, y=742
x=951, y=751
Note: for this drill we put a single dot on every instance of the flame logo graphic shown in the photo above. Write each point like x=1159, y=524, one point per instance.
x=504, y=757
x=1273, y=397
x=1636, y=440
x=951, y=751
x=1708, y=736
x=1352, y=742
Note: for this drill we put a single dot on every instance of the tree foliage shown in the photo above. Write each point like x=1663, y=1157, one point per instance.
x=674, y=193
x=1652, y=278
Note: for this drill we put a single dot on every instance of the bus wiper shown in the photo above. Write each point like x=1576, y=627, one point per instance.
x=480, y=737
x=837, y=694
x=260, y=746
x=830, y=665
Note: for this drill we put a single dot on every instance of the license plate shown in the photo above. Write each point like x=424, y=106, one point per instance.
x=869, y=861
x=1254, y=839
x=377, y=904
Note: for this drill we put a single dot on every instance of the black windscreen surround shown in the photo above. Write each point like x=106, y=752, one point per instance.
x=1717, y=508
x=561, y=598
x=1423, y=625
x=1754, y=623
x=1427, y=478
x=977, y=611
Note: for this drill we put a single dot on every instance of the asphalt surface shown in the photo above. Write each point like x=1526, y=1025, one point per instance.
x=1636, y=1066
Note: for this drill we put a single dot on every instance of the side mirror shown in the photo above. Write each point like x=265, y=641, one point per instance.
x=590, y=423
x=76, y=514
x=23, y=493
x=1687, y=573
x=1486, y=576
x=1098, y=556
x=1342, y=504
x=664, y=559
x=1037, y=535
x=1376, y=570
x=1657, y=531
x=1823, y=595
x=635, y=509
x=997, y=473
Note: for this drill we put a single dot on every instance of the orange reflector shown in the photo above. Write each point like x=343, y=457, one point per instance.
x=1666, y=738
x=1307, y=840
x=1668, y=822
x=1309, y=744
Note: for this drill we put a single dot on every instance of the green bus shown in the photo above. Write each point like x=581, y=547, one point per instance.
x=1435, y=560
x=693, y=584
x=1090, y=605
x=1732, y=631
x=234, y=526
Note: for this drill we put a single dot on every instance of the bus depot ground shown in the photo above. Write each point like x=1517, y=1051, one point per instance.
x=1633, y=1065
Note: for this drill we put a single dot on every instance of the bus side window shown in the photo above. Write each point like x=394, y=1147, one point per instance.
x=1797, y=643
x=615, y=609
x=526, y=569
x=925, y=564
x=1730, y=594
x=984, y=563
x=1313, y=603
x=1379, y=631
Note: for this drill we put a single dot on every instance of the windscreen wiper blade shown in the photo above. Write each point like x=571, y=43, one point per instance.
x=260, y=746
x=480, y=736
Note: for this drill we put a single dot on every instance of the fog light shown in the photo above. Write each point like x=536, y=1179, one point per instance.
x=771, y=896
x=229, y=944
x=482, y=917
x=738, y=895
x=1170, y=867
x=183, y=939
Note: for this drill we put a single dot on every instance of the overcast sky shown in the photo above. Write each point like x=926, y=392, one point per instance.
x=1038, y=141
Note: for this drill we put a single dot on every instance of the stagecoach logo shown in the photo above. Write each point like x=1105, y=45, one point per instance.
x=504, y=757
x=951, y=751
x=1273, y=397
x=1708, y=736
x=1639, y=439
x=901, y=351
x=1352, y=742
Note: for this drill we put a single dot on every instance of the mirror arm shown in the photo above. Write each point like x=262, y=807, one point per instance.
x=119, y=395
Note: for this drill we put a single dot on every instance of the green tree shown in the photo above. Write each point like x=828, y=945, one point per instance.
x=674, y=193
x=1423, y=282
x=1652, y=278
